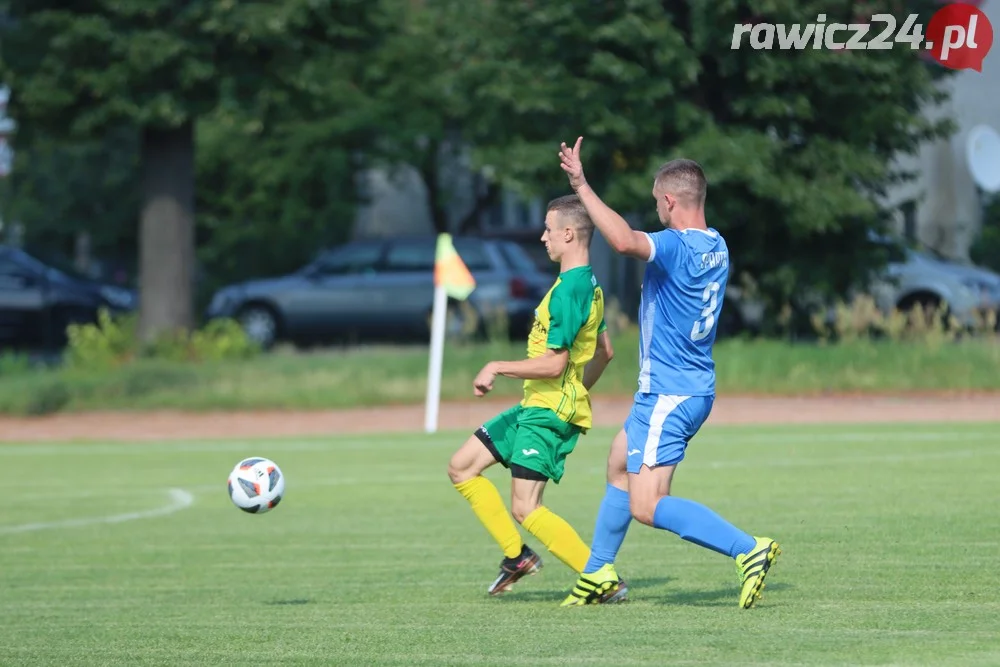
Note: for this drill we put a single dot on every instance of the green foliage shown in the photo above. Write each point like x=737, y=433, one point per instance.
x=108, y=342
x=14, y=363
x=59, y=188
x=114, y=342
x=85, y=69
x=396, y=376
x=268, y=197
x=862, y=320
x=291, y=100
x=149, y=63
x=219, y=340
x=797, y=145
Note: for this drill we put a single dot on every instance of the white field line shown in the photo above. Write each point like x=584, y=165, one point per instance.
x=179, y=499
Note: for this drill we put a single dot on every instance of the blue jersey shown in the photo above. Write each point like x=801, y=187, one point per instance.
x=682, y=292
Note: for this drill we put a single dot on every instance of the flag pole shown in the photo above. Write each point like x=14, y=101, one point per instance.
x=451, y=279
x=434, y=369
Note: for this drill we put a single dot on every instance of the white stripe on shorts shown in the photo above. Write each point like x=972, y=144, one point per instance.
x=665, y=404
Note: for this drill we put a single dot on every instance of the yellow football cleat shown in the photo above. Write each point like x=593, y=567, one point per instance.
x=601, y=587
x=752, y=568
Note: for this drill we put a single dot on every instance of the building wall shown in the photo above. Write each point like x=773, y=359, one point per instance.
x=948, y=214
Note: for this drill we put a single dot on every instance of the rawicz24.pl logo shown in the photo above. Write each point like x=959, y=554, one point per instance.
x=958, y=36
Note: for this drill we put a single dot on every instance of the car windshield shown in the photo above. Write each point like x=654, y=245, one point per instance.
x=47, y=264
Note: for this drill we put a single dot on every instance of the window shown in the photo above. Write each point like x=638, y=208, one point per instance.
x=13, y=276
x=9, y=268
x=349, y=259
x=517, y=258
x=409, y=256
x=474, y=255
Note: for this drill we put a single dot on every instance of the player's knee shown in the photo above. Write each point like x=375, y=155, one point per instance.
x=457, y=472
x=617, y=474
x=642, y=510
x=521, y=509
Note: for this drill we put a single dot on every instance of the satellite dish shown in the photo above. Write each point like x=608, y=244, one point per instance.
x=982, y=152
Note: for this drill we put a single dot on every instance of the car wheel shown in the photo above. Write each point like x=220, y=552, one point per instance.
x=260, y=324
x=932, y=308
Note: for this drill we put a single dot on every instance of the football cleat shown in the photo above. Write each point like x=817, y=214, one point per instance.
x=753, y=567
x=601, y=587
x=513, y=570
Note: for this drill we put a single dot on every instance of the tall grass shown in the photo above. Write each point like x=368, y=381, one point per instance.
x=397, y=375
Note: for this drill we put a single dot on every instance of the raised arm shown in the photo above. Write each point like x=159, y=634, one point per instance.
x=616, y=230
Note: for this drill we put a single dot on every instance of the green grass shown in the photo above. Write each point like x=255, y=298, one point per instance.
x=395, y=375
x=888, y=532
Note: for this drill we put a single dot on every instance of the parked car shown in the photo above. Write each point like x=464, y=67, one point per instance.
x=38, y=301
x=384, y=289
x=931, y=281
x=919, y=278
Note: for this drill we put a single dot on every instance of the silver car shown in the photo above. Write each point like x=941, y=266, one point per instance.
x=932, y=282
x=383, y=289
x=966, y=292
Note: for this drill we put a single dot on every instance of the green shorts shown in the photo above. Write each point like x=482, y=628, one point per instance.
x=532, y=442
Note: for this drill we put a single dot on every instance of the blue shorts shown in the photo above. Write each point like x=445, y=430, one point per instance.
x=659, y=428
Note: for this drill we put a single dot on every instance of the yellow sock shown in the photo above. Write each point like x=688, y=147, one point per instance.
x=558, y=537
x=489, y=508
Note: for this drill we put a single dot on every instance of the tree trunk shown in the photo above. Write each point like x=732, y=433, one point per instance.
x=166, y=231
x=431, y=173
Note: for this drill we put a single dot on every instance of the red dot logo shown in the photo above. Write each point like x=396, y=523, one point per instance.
x=959, y=36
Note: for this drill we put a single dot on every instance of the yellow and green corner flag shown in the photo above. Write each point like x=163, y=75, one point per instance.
x=450, y=271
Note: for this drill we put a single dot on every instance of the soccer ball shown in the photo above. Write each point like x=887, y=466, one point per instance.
x=256, y=485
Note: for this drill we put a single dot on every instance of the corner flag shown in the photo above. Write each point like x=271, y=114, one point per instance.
x=450, y=271
x=451, y=279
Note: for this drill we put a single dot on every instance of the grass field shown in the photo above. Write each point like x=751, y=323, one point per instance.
x=395, y=375
x=119, y=554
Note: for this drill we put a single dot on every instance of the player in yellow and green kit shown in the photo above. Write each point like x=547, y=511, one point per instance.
x=568, y=350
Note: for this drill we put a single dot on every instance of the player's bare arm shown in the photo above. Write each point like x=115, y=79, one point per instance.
x=602, y=357
x=548, y=365
x=616, y=230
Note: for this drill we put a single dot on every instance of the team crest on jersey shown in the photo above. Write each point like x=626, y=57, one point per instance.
x=539, y=329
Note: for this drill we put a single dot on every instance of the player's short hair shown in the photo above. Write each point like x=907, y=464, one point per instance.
x=572, y=212
x=683, y=179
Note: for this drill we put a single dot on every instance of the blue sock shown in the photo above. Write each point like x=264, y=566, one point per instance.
x=613, y=519
x=698, y=524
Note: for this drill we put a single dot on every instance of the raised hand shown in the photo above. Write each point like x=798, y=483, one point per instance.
x=571, y=164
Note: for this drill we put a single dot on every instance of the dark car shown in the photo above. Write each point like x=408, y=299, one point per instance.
x=38, y=301
x=383, y=289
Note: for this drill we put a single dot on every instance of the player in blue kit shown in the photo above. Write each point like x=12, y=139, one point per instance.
x=682, y=293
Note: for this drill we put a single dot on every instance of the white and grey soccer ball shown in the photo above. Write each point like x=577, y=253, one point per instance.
x=256, y=485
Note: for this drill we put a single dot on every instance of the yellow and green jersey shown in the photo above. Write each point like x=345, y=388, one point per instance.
x=569, y=317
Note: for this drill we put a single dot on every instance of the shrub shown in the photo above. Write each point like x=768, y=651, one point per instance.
x=46, y=398
x=863, y=320
x=13, y=363
x=113, y=342
x=107, y=343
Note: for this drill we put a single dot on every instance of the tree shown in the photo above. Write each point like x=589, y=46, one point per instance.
x=157, y=65
x=63, y=191
x=798, y=146
x=421, y=110
x=268, y=197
